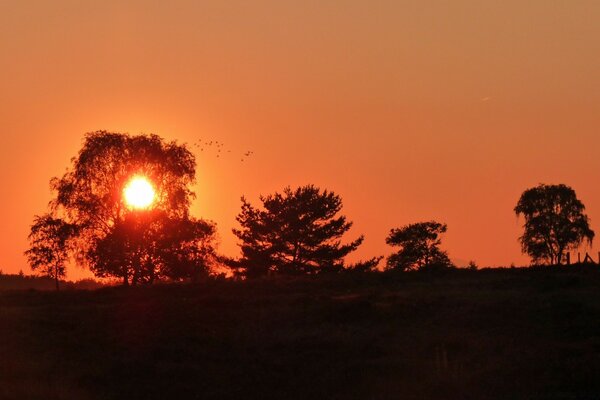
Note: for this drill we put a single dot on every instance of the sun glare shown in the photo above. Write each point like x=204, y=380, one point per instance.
x=139, y=193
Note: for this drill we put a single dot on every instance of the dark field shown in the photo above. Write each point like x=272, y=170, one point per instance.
x=491, y=334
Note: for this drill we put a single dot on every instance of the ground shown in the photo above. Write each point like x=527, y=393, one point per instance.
x=490, y=334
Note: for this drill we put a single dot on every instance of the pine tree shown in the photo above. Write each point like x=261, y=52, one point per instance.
x=296, y=232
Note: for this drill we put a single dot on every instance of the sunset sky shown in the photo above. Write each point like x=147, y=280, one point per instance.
x=410, y=110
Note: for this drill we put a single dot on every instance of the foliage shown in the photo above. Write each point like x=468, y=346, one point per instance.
x=138, y=246
x=555, y=222
x=296, y=232
x=51, y=241
x=150, y=245
x=472, y=266
x=24, y=282
x=369, y=265
x=419, y=247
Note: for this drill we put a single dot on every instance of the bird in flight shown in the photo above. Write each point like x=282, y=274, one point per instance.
x=218, y=148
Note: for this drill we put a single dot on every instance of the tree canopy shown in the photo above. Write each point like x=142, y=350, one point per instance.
x=295, y=232
x=555, y=222
x=419, y=247
x=51, y=242
x=115, y=240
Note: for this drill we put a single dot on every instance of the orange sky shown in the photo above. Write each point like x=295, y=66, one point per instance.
x=410, y=110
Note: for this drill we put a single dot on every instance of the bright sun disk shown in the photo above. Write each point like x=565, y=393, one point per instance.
x=139, y=193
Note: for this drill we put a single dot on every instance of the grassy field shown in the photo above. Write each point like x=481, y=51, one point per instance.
x=490, y=334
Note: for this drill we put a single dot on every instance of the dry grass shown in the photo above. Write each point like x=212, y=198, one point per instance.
x=518, y=334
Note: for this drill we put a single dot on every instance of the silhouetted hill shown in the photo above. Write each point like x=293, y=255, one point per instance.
x=491, y=334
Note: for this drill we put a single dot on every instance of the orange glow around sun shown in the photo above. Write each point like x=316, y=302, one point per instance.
x=139, y=193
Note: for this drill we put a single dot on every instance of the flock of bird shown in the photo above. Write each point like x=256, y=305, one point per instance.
x=218, y=148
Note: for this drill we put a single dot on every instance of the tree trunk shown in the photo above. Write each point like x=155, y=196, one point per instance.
x=561, y=254
x=152, y=273
x=136, y=272
x=56, y=277
x=137, y=269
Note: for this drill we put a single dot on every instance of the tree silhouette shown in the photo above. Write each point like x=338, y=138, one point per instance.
x=51, y=241
x=296, y=232
x=138, y=246
x=151, y=245
x=555, y=222
x=419, y=247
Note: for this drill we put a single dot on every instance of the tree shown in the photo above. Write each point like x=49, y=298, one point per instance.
x=149, y=246
x=296, y=232
x=51, y=241
x=555, y=222
x=419, y=247
x=116, y=240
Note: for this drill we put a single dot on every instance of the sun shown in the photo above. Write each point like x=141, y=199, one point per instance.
x=139, y=193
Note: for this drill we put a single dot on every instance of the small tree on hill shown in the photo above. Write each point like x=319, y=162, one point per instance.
x=51, y=240
x=296, y=232
x=555, y=222
x=419, y=247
